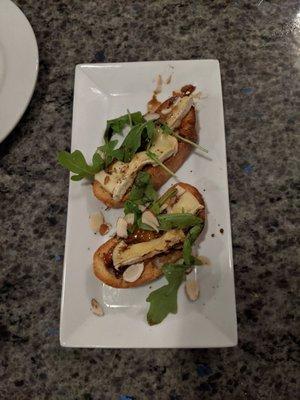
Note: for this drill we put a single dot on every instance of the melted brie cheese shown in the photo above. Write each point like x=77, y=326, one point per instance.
x=122, y=175
x=179, y=111
x=130, y=254
x=186, y=203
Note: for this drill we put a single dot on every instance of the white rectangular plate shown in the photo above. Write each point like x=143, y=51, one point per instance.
x=104, y=91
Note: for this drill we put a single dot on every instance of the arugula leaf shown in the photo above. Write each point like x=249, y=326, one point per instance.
x=75, y=162
x=143, y=178
x=139, y=138
x=143, y=226
x=150, y=192
x=129, y=118
x=155, y=207
x=166, y=129
x=110, y=153
x=178, y=221
x=117, y=125
x=98, y=162
x=131, y=207
x=142, y=191
x=137, y=118
x=194, y=232
x=77, y=177
x=163, y=301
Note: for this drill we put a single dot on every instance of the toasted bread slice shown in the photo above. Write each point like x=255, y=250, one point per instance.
x=159, y=175
x=152, y=267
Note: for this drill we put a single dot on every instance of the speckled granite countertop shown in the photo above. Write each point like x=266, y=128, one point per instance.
x=258, y=44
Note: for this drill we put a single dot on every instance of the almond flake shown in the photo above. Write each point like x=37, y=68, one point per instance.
x=204, y=260
x=150, y=219
x=133, y=272
x=122, y=228
x=159, y=84
x=192, y=289
x=96, y=220
x=104, y=228
x=129, y=218
x=168, y=80
x=96, y=308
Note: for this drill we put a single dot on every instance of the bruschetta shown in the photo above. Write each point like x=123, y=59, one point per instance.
x=135, y=257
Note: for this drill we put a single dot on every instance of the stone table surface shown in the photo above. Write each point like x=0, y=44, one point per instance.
x=258, y=45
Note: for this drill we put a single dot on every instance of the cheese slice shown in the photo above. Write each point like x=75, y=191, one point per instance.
x=124, y=254
x=122, y=175
x=179, y=111
x=186, y=203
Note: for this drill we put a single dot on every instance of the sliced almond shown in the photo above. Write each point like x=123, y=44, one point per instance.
x=150, y=219
x=129, y=218
x=204, y=260
x=96, y=220
x=159, y=84
x=141, y=207
x=104, y=229
x=122, y=228
x=96, y=308
x=168, y=80
x=151, y=116
x=192, y=289
x=133, y=272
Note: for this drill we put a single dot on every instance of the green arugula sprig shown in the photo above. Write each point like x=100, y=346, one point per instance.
x=163, y=301
x=75, y=162
x=140, y=137
x=109, y=153
x=156, y=206
x=142, y=193
x=191, y=237
x=117, y=125
x=178, y=221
